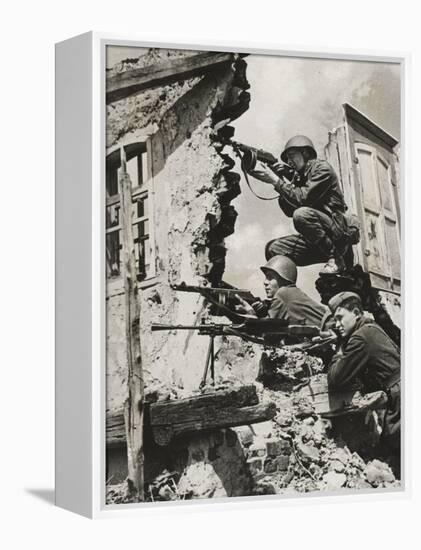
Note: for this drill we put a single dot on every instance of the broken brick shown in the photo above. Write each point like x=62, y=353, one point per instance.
x=270, y=466
x=334, y=480
x=255, y=465
x=308, y=452
x=282, y=462
x=273, y=447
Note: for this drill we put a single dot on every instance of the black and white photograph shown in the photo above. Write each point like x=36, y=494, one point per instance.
x=253, y=275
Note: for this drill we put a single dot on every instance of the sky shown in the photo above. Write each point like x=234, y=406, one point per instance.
x=290, y=96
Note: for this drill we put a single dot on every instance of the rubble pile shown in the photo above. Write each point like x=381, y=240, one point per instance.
x=286, y=369
x=296, y=452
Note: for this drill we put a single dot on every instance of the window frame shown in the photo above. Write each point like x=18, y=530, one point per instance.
x=115, y=283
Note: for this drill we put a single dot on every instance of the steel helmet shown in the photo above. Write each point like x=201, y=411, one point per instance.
x=299, y=142
x=282, y=266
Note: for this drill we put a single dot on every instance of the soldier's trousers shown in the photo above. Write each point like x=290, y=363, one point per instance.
x=319, y=238
x=392, y=420
x=391, y=435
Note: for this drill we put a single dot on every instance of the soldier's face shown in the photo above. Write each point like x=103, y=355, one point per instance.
x=345, y=321
x=271, y=284
x=296, y=159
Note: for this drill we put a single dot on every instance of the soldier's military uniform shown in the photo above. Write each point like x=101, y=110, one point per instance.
x=371, y=357
x=289, y=303
x=295, y=307
x=317, y=207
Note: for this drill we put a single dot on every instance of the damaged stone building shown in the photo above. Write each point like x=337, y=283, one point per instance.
x=171, y=129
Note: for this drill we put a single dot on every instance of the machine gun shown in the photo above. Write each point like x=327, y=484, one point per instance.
x=266, y=331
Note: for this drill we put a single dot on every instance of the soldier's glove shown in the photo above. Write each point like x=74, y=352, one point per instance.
x=282, y=170
x=260, y=308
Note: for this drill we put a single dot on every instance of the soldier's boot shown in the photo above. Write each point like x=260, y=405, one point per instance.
x=335, y=264
x=344, y=254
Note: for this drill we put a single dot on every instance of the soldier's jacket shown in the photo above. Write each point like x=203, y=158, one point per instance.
x=318, y=188
x=370, y=356
x=294, y=306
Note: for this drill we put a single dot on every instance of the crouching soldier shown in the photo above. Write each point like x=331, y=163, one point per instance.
x=366, y=354
x=316, y=204
x=284, y=300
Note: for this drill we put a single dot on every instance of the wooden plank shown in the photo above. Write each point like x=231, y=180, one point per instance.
x=333, y=403
x=325, y=401
x=215, y=419
x=115, y=430
x=122, y=85
x=134, y=405
x=197, y=407
x=213, y=410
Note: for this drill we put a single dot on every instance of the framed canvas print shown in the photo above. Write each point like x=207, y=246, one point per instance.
x=229, y=281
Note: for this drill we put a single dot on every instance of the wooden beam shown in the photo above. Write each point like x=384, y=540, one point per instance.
x=115, y=429
x=167, y=412
x=134, y=405
x=213, y=419
x=122, y=85
x=210, y=411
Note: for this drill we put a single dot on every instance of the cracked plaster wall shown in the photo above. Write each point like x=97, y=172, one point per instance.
x=191, y=189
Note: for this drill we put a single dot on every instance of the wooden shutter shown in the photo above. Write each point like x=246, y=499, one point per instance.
x=381, y=233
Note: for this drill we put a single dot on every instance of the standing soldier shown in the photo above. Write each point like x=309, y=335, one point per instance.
x=367, y=355
x=316, y=204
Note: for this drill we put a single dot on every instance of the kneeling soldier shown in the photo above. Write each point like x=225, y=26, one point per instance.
x=368, y=355
x=317, y=207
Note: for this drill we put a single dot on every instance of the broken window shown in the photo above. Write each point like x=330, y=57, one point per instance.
x=137, y=167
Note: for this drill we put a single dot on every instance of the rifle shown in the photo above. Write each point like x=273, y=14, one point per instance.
x=259, y=331
x=250, y=156
x=226, y=291
x=223, y=298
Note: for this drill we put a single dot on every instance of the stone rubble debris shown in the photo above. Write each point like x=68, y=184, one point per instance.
x=293, y=453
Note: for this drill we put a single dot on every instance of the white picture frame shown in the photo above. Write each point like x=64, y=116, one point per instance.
x=80, y=273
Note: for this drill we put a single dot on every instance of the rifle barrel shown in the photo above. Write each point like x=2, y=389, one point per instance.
x=158, y=326
x=216, y=290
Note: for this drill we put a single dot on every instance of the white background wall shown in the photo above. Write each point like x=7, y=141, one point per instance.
x=29, y=30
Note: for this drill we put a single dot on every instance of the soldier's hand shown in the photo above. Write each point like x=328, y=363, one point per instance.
x=281, y=170
x=264, y=174
x=260, y=308
x=244, y=307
